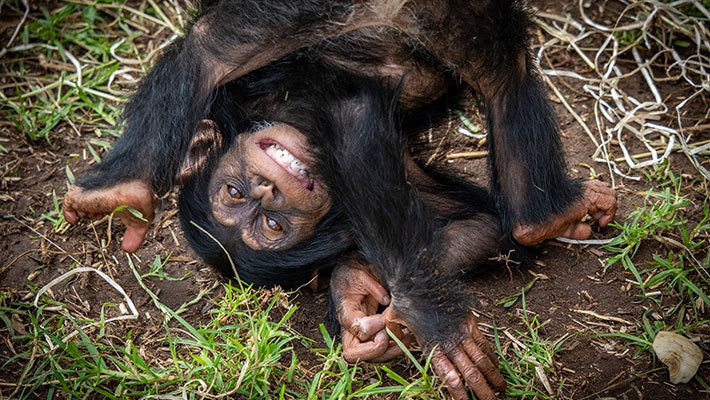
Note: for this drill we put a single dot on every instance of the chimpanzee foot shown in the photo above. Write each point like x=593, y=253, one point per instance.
x=598, y=200
x=471, y=358
x=94, y=204
x=357, y=296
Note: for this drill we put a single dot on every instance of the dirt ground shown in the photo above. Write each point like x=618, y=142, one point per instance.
x=573, y=281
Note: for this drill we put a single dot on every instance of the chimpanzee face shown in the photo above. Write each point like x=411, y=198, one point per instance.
x=265, y=186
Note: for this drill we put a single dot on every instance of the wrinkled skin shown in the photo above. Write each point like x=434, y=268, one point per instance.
x=473, y=359
x=365, y=338
x=363, y=332
x=94, y=204
x=273, y=206
x=598, y=201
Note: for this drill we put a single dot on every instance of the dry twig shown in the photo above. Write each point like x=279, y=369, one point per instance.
x=654, y=26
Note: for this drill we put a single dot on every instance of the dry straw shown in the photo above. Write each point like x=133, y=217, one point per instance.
x=675, y=39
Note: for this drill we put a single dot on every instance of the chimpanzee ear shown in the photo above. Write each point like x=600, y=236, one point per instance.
x=207, y=140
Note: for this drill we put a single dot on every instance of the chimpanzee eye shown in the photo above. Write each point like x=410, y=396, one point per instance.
x=273, y=225
x=234, y=192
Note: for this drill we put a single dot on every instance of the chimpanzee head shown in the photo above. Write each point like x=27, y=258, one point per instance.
x=262, y=200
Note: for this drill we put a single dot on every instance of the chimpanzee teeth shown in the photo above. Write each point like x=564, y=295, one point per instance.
x=285, y=158
x=297, y=166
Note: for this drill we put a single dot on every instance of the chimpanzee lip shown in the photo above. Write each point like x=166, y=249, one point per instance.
x=303, y=176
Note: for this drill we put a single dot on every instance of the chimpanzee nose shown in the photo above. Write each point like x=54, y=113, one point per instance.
x=264, y=191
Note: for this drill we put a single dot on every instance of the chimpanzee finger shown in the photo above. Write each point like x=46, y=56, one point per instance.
x=354, y=349
x=598, y=215
x=602, y=201
x=358, y=318
x=484, y=364
x=448, y=373
x=604, y=217
x=133, y=237
x=473, y=376
x=374, y=288
x=70, y=213
x=371, y=350
x=367, y=326
x=482, y=342
x=578, y=231
x=393, y=350
x=71, y=216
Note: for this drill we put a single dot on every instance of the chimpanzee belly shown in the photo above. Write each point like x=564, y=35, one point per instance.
x=385, y=52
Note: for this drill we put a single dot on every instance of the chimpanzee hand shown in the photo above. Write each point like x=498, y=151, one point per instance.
x=95, y=203
x=469, y=356
x=357, y=295
x=598, y=200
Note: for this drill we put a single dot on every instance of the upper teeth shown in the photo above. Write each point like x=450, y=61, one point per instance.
x=286, y=159
x=298, y=167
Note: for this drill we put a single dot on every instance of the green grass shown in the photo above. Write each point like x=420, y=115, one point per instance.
x=62, y=62
x=683, y=270
x=240, y=352
x=243, y=351
x=527, y=364
x=678, y=270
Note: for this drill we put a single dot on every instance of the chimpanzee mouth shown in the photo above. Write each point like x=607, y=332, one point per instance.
x=295, y=167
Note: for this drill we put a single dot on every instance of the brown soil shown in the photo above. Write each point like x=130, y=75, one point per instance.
x=32, y=253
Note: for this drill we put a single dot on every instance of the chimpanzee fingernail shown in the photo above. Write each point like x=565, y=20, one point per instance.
x=385, y=299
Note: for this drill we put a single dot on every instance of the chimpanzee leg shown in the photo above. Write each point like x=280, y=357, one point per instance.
x=399, y=235
x=538, y=199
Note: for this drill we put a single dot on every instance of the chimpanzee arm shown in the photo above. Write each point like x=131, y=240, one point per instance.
x=472, y=239
x=362, y=160
x=486, y=44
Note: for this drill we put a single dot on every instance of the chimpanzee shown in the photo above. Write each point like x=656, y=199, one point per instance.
x=430, y=46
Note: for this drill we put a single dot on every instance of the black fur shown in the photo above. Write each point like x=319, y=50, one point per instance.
x=398, y=233
x=353, y=120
